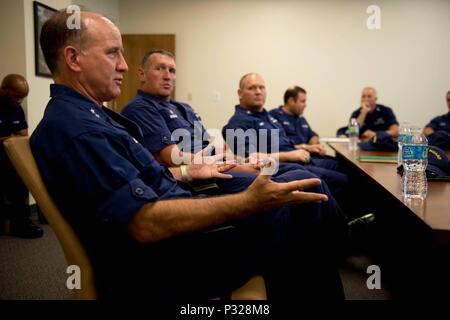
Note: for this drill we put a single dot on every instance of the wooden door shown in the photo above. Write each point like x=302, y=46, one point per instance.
x=136, y=46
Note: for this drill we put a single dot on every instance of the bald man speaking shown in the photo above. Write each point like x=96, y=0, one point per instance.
x=373, y=117
x=13, y=193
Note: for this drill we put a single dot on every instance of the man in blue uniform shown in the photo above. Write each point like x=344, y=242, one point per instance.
x=440, y=123
x=373, y=117
x=290, y=116
x=144, y=233
x=173, y=132
x=13, y=193
x=252, y=130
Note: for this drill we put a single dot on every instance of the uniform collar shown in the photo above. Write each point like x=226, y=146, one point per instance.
x=63, y=92
x=241, y=110
x=159, y=102
x=152, y=97
x=284, y=113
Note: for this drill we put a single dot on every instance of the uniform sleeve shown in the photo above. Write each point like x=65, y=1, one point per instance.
x=433, y=124
x=157, y=134
x=108, y=175
x=240, y=137
x=22, y=122
x=355, y=114
x=311, y=133
x=390, y=118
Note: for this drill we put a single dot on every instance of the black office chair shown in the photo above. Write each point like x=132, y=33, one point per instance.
x=342, y=131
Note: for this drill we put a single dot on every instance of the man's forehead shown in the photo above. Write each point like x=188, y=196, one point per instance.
x=254, y=80
x=158, y=58
x=368, y=91
x=100, y=29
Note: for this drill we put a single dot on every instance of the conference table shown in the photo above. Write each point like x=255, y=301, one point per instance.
x=434, y=211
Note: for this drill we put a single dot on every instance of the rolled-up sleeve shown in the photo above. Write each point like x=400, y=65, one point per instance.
x=390, y=118
x=106, y=175
x=434, y=124
x=124, y=202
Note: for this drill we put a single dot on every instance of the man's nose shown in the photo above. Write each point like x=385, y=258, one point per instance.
x=122, y=65
x=166, y=74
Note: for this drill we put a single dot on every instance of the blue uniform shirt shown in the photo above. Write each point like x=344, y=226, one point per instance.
x=261, y=128
x=160, y=119
x=12, y=118
x=440, y=123
x=380, y=120
x=92, y=165
x=296, y=127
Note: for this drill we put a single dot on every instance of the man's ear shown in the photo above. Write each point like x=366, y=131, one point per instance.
x=291, y=101
x=71, y=58
x=239, y=92
x=141, y=75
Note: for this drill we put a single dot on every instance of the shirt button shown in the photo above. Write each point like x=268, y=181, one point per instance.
x=139, y=191
x=164, y=138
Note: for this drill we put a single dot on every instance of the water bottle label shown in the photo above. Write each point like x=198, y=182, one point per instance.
x=415, y=152
x=353, y=130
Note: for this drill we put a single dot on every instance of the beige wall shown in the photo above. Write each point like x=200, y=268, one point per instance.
x=39, y=86
x=12, y=38
x=324, y=46
x=109, y=8
x=17, y=39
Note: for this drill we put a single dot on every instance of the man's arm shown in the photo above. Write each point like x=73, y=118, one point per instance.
x=431, y=126
x=312, y=148
x=168, y=218
x=427, y=131
x=297, y=155
x=4, y=138
x=364, y=110
x=203, y=171
x=164, y=155
x=314, y=140
x=393, y=130
x=23, y=132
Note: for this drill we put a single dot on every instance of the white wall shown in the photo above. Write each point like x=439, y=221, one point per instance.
x=323, y=46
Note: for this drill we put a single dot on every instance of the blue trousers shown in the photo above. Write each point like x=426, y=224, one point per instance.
x=292, y=247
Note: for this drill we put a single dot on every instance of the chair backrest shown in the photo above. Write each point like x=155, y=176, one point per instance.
x=18, y=150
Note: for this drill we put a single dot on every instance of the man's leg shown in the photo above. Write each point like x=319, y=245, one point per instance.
x=325, y=162
x=305, y=244
x=290, y=247
x=16, y=194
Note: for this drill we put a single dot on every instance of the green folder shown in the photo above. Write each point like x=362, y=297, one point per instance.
x=376, y=158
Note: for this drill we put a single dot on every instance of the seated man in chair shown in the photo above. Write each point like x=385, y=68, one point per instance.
x=173, y=132
x=373, y=117
x=147, y=236
x=438, y=129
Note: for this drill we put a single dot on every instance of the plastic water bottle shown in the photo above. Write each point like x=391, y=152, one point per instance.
x=404, y=136
x=415, y=160
x=353, y=134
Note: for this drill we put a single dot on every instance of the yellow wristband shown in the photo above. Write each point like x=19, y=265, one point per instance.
x=184, y=173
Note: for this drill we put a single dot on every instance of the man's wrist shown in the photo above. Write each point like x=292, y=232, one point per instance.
x=184, y=173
